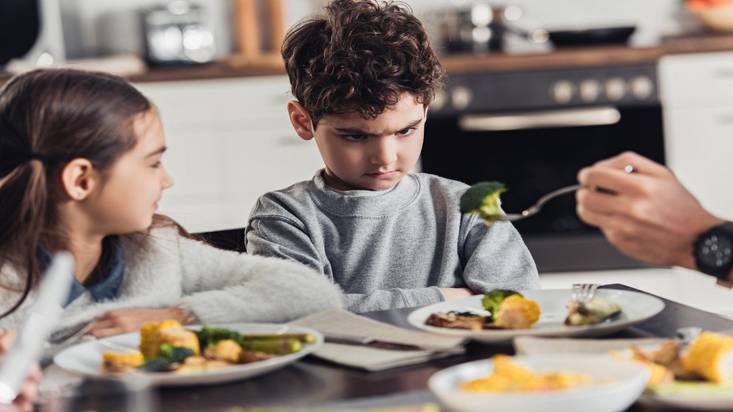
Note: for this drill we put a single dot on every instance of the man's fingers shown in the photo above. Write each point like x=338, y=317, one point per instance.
x=609, y=179
x=601, y=202
x=641, y=164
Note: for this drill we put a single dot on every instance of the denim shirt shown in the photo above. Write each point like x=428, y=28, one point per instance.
x=104, y=290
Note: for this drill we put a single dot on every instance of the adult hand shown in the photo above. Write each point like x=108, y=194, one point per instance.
x=120, y=321
x=455, y=293
x=29, y=391
x=649, y=215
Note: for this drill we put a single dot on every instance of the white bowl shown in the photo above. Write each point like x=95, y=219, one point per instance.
x=718, y=18
x=620, y=383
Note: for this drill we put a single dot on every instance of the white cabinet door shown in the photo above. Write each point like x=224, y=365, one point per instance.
x=699, y=144
x=697, y=100
x=230, y=141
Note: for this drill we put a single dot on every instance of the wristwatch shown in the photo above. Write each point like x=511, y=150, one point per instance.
x=714, y=251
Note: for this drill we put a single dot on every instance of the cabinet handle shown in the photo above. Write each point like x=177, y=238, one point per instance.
x=598, y=116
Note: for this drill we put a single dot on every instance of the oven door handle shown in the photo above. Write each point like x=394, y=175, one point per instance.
x=596, y=116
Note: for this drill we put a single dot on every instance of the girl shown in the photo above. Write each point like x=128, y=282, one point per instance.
x=80, y=170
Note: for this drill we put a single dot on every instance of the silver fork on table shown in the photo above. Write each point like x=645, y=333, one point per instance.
x=583, y=292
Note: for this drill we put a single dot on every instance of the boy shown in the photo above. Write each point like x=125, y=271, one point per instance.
x=363, y=76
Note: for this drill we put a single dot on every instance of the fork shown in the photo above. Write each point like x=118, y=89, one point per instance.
x=534, y=209
x=583, y=292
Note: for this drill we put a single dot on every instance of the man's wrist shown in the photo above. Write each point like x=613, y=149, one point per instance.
x=727, y=282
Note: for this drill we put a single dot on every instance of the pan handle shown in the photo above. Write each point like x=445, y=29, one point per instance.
x=597, y=116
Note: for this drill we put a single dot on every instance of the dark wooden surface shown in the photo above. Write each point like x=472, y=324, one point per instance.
x=313, y=382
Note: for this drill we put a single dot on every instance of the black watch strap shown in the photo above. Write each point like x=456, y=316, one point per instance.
x=714, y=251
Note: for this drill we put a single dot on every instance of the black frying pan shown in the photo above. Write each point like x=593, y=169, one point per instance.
x=591, y=37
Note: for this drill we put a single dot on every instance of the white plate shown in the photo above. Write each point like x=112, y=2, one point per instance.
x=86, y=358
x=620, y=384
x=635, y=307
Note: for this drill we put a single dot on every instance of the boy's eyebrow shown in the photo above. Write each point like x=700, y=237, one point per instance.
x=365, y=133
x=156, y=152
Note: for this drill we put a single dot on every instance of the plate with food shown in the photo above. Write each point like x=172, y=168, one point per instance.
x=169, y=354
x=501, y=315
x=546, y=383
x=694, y=376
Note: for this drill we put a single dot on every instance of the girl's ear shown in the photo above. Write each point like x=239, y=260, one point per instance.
x=78, y=179
x=301, y=120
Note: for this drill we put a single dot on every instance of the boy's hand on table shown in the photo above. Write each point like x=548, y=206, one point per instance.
x=29, y=390
x=120, y=321
x=455, y=293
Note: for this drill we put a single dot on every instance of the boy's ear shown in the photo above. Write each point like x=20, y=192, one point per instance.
x=300, y=119
x=78, y=179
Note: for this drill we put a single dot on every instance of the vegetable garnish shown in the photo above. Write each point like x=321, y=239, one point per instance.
x=483, y=200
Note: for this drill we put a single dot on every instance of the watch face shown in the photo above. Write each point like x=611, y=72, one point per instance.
x=716, y=251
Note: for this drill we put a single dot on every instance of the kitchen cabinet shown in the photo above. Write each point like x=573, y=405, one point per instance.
x=697, y=101
x=229, y=141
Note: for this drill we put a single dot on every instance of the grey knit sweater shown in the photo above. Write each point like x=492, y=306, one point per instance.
x=392, y=248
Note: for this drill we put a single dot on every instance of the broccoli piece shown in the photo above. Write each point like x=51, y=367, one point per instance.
x=209, y=335
x=169, y=356
x=483, y=199
x=493, y=299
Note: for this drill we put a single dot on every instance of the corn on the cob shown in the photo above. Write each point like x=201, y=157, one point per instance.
x=517, y=312
x=153, y=334
x=121, y=361
x=711, y=356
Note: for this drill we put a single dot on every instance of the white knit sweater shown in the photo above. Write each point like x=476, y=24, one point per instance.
x=217, y=286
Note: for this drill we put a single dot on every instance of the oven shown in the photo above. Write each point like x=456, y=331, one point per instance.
x=534, y=131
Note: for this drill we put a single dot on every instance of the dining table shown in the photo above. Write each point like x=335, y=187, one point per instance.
x=314, y=384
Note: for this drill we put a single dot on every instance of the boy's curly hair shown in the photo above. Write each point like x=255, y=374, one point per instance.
x=362, y=55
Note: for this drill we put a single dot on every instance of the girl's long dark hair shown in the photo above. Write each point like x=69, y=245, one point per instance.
x=47, y=118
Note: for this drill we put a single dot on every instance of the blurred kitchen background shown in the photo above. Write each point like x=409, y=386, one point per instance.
x=536, y=90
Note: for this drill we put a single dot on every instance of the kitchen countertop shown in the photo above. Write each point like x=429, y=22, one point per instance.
x=469, y=63
x=473, y=63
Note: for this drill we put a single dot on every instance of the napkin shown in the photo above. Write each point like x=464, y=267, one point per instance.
x=343, y=323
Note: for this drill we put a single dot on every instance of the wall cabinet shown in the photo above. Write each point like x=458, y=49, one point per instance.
x=697, y=99
x=230, y=141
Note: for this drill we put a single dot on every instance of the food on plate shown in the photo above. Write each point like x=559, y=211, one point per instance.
x=507, y=309
x=593, y=312
x=483, y=199
x=121, y=362
x=710, y=355
x=169, y=347
x=459, y=320
x=517, y=312
x=509, y=376
x=154, y=334
x=696, y=370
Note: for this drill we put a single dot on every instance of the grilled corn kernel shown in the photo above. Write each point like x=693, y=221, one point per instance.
x=517, y=312
x=711, y=356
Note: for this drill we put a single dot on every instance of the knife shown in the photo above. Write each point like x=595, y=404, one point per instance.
x=371, y=342
x=42, y=317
